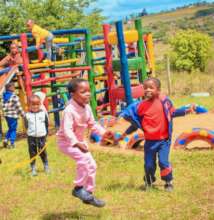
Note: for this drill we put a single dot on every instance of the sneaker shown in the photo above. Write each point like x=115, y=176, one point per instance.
x=168, y=187
x=95, y=202
x=82, y=194
x=46, y=169
x=33, y=172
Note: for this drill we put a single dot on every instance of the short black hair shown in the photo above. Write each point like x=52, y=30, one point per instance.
x=73, y=84
x=155, y=80
x=8, y=85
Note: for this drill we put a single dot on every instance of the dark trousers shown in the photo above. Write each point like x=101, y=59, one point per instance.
x=35, y=144
x=152, y=149
x=12, y=127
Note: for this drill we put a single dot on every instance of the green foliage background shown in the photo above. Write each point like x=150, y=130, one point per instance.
x=191, y=50
x=51, y=14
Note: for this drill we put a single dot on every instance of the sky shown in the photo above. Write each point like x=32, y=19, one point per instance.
x=119, y=9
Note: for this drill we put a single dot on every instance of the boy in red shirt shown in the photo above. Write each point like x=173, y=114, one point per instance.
x=154, y=115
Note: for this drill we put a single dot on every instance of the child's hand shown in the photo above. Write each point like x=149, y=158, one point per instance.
x=108, y=135
x=191, y=109
x=82, y=147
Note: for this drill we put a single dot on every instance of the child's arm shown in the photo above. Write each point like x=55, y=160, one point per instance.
x=68, y=125
x=94, y=126
x=180, y=112
x=18, y=106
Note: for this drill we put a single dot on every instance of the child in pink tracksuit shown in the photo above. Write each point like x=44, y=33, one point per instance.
x=77, y=117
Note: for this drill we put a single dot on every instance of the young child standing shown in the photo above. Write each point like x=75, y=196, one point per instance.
x=154, y=115
x=36, y=122
x=77, y=117
x=12, y=108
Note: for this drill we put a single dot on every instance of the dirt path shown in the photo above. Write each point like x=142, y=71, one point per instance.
x=181, y=124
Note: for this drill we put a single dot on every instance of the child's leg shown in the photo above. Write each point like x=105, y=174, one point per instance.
x=43, y=155
x=163, y=156
x=92, y=167
x=32, y=148
x=7, y=136
x=48, y=44
x=150, y=151
x=85, y=166
x=13, y=124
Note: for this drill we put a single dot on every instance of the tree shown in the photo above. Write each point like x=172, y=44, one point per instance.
x=51, y=14
x=190, y=50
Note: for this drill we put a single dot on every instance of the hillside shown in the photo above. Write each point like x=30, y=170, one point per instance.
x=164, y=25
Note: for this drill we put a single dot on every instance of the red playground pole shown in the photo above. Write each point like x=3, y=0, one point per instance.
x=108, y=67
x=26, y=70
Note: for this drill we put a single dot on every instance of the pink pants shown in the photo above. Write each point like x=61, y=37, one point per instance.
x=85, y=166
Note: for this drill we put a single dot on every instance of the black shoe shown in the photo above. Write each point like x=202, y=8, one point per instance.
x=82, y=194
x=95, y=202
x=5, y=143
x=168, y=187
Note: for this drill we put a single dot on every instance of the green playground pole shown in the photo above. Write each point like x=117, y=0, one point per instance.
x=141, y=49
x=91, y=72
x=72, y=53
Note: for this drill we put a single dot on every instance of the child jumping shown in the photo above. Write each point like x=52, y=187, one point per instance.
x=36, y=122
x=12, y=108
x=154, y=116
x=77, y=117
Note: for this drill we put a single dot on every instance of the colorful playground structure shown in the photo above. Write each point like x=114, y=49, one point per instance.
x=195, y=134
x=113, y=74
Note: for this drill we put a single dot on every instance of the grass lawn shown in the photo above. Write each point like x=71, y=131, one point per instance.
x=119, y=180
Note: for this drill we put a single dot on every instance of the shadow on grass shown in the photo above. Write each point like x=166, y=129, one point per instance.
x=121, y=187
x=69, y=215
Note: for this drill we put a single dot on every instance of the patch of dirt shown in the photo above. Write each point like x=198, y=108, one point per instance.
x=180, y=124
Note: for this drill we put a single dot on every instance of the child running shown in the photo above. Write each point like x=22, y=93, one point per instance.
x=12, y=108
x=77, y=117
x=36, y=122
x=154, y=115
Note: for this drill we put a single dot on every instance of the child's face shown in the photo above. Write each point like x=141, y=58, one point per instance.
x=82, y=94
x=13, y=49
x=11, y=88
x=35, y=104
x=151, y=90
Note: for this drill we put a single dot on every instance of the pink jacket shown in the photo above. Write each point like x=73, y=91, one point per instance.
x=75, y=122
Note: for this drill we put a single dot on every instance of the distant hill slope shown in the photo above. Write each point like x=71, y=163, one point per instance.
x=163, y=25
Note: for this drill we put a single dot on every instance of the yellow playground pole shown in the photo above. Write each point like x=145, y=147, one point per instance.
x=150, y=48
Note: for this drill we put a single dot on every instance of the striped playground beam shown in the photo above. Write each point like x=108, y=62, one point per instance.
x=5, y=70
x=41, y=82
x=99, y=58
x=100, y=91
x=71, y=69
x=50, y=63
x=93, y=49
x=56, y=32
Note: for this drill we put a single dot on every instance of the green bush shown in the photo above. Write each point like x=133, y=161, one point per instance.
x=191, y=50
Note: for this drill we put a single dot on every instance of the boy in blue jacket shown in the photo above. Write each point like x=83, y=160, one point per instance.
x=154, y=116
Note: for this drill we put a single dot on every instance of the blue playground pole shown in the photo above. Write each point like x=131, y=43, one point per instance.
x=124, y=63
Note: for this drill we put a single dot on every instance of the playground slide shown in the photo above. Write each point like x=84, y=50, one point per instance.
x=6, y=78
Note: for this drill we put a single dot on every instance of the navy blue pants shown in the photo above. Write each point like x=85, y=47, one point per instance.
x=12, y=127
x=152, y=149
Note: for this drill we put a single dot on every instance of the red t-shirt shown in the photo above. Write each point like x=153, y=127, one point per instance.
x=154, y=123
